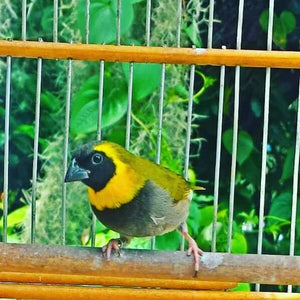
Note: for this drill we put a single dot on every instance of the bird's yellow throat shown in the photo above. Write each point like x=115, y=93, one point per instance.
x=121, y=188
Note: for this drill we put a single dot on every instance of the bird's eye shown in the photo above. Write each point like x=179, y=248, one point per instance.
x=97, y=159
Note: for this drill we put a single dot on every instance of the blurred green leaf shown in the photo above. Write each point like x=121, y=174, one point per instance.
x=100, y=227
x=288, y=21
x=136, y=1
x=103, y=19
x=263, y=20
x=194, y=218
x=168, y=241
x=288, y=166
x=103, y=238
x=16, y=217
x=50, y=102
x=146, y=78
x=206, y=215
x=282, y=26
x=245, y=144
x=256, y=107
x=239, y=243
x=47, y=18
x=26, y=129
x=193, y=34
x=84, y=113
x=279, y=33
x=244, y=287
x=281, y=207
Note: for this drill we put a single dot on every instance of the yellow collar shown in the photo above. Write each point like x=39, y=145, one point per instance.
x=121, y=188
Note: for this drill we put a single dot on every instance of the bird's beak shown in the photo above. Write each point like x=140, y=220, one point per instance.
x=75, y=173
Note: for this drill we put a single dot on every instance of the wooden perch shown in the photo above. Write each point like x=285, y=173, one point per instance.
x=23, y=291
x=88, y=262
x=198, y=56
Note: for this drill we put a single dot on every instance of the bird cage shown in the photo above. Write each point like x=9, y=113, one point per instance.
x=171, y=81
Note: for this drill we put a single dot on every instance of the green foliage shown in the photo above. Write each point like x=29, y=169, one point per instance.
x=288, y=166
x=85, y=104
x=14, y=224
x=146, y=79
x=282, y=26
x=192, y=32
x=245, y=144
x=103, y=14
x=245, y=287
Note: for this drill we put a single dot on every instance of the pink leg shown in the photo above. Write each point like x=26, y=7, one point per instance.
x=113, y=244
x=193, y=249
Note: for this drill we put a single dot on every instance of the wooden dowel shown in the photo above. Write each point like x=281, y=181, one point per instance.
x=268, y=269
x=24, y=291
x=198, y=56
x=114, y=281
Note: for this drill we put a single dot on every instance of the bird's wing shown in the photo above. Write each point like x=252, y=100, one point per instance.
x=177, y=186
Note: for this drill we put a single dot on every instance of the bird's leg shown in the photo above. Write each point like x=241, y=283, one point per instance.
x=114, y=244
x=193, y=247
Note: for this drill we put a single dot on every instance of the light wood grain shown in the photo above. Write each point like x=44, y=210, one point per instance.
x=198, y=56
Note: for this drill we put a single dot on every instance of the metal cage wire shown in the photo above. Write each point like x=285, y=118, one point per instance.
x=159, y=121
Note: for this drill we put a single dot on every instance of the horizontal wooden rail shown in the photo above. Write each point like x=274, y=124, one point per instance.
x=268, y=269
x=24, y=291
x=198, y=56
x=114, y=281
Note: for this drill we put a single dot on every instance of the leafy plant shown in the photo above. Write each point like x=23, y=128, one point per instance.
x=245, y=144
x=282, y=26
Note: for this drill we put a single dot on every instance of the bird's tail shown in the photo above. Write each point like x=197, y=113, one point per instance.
x=198, y=188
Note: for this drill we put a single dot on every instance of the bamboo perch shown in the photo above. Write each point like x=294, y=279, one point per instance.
x=268, y=269
x=114, y=281
x=50, y=292
x=198, y=56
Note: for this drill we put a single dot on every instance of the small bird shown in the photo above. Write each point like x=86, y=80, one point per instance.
x=132, y=195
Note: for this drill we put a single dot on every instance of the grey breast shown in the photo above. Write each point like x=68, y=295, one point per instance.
x=152, y=212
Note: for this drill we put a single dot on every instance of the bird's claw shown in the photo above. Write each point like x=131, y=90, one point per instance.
x=113, y=244
x=193, y=250
x=196, y=252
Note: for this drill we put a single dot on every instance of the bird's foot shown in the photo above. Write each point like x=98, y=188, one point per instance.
x=113, y=244
x=193, y=250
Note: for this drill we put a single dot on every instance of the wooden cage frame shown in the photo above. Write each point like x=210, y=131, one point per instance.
x=62, y=272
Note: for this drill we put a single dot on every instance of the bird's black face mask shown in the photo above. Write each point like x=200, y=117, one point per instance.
x=94, y=169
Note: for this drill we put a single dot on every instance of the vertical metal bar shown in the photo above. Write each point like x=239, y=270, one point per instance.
x=210, y=24
x=295, y=185
x=93, y=230
x=188, y=131
x=159, y=126
x=119, y=12
x=265, y=138
x=235, y=126
x=87, y=21
x=160, y=113
x=55, y=21
x=218, y=157
x=99, y=133
x=234, y=156
x=35, y=149
x=264, y=161
x=100, y=99
x=66, y=147
x=189, y=123
x=6, y=149
x=240, y=25
x=148, y=22
x=24, y=4
x=179, y=22
x=128, y=119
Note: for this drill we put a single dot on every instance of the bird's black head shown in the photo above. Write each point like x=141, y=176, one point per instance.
x=91, y=167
